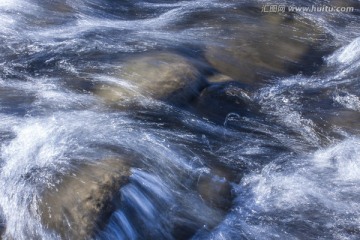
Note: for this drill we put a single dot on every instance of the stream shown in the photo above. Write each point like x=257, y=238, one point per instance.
x=206, y=119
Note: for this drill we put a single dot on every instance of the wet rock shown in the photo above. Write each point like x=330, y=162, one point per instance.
x=348, y=120
x=218, y=100
x=163, y=76
x=113, y=94
x=2, y=230
x=219, y=78
x=194, y=215
x=59, y=6
x=82, y=200
x=332, y=111
x=14, y=101
x=261, y=46
x=215, y=191
x=61, y=12
x=207, y=207
x=345, y=3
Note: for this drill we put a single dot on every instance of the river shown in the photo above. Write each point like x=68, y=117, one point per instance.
x=209, y=119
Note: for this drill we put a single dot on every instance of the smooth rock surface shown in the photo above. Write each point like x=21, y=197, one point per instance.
x=219, y=78
x=265, y=45
x=162, y=76
x=83, y=199
x=218, y=100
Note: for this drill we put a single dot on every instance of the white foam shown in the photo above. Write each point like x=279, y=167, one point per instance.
x=9, y=4
x=343, y=159
x=349, y=101
x=276, y=101
x=37, y=149
x=349, y=53
x=325, y=184
x=346, y=60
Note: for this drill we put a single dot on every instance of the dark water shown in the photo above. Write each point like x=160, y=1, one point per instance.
x=273, y=152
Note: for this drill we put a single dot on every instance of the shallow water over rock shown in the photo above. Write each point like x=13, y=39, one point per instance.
x=178, y=120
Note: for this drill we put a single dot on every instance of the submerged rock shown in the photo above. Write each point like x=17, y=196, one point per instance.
x=261, y=46
x=219, y=78
x=348, y=120
x=345, y=3
x=215, y=191
x=205, y=209
x=2, y=230
x=218, y=100
x=162, y=76
x=82, y=200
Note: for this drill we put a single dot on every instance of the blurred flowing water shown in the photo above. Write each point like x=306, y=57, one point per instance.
x=291, y=156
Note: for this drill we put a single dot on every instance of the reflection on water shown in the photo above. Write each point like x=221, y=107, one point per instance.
x=178, y=120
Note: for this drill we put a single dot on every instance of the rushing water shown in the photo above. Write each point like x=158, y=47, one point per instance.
x=283, y=164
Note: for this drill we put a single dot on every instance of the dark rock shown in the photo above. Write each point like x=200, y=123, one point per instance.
x=194, y=214
x=218, y=100
x=215, y=191
x=81, y=202
x=2, y=230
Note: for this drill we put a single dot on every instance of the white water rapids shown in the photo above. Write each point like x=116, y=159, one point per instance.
x=293, y=166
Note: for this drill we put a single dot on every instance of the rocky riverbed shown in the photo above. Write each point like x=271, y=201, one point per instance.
x=179, y=120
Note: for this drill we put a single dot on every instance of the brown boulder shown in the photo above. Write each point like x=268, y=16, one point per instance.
x=82, y=200
x=219, y=78
x=162, y=76
x=261, y=46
